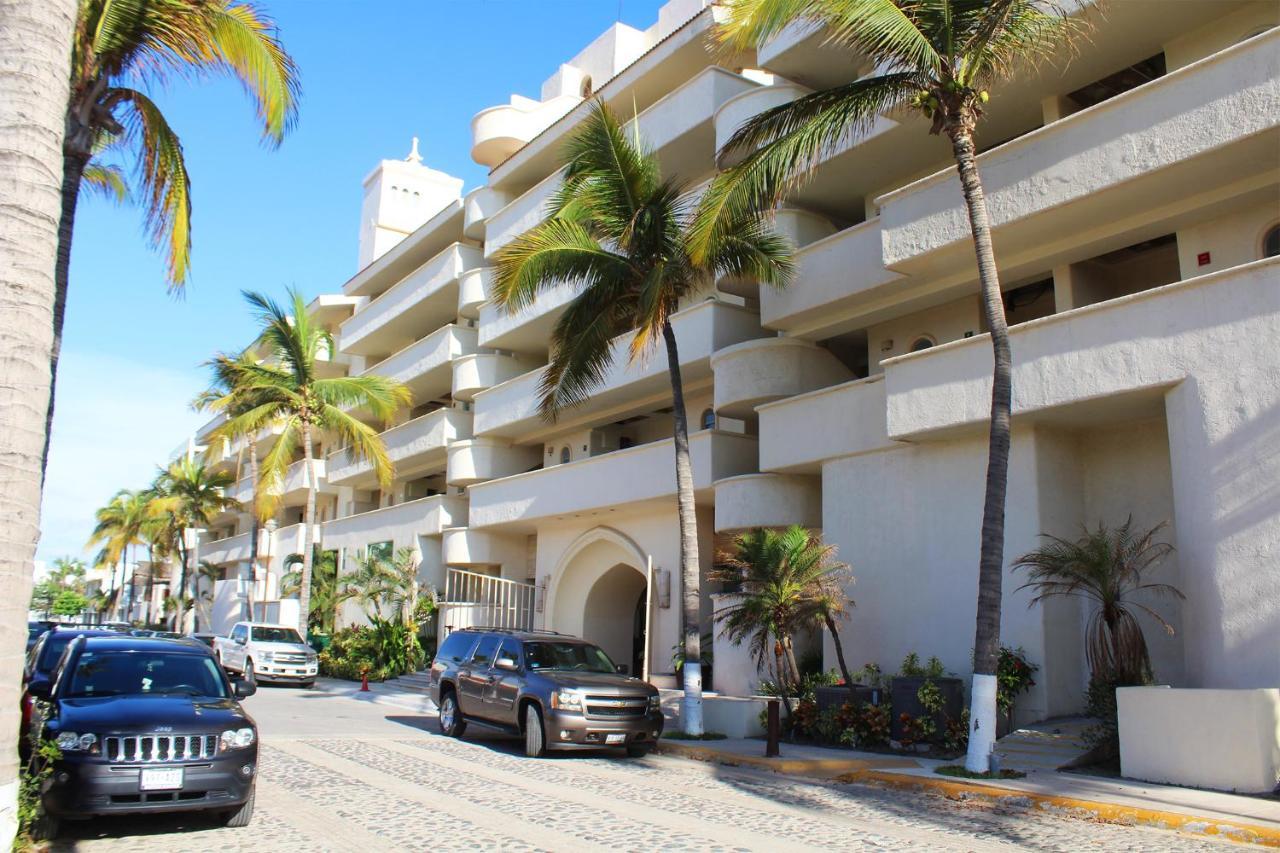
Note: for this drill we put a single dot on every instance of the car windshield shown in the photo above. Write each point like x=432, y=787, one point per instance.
x=276, y=635
x=125, y=673
x=577, y=657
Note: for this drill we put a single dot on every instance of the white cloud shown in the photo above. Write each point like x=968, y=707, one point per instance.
x=116, y=420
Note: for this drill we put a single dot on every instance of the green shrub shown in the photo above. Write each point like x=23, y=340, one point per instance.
x=386, y=648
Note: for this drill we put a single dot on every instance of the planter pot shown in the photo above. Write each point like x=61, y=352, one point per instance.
x=902, y=698
x=837, y=697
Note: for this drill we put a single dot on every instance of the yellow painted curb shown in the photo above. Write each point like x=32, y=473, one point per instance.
x=959, y=789
x=794, y=766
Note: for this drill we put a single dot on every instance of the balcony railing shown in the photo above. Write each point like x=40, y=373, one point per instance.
x=476, y=600
x=412, y=446
x=427, y=516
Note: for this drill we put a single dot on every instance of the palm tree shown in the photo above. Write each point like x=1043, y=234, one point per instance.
x=68, y=572
x=619, y=230
x=286, y=390
x=35, y=43
x=117, y=45
x=939, y=58
x=1105, y=567
x=188, y=496
x=327, y=594
x=119, y=525
x=224, y=396
x=788, y=581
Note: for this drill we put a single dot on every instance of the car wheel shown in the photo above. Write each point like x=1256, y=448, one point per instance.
x=451, y=722
x=307, y=685
x=45, y=827
x=242, y=815
x=248, y=670
x=535, y=741
x=637, y=751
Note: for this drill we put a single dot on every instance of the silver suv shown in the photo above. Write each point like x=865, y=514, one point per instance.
x=556, y=691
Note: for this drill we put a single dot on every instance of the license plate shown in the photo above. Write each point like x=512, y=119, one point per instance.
x=621, y=737
x=168, y=779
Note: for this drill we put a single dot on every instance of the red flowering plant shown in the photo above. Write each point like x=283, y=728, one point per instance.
x=1013, y=676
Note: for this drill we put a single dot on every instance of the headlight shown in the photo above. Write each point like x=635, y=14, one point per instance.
x=312, y=657
x=566, y=700
x=655, y=702
x=74, y=742
x=237, y=738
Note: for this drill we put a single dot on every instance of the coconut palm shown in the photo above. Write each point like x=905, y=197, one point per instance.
x=187, y=496
x=120, y=44
x=287, y=391
x=940, y=58
x=68, y=572
x=619, y=230
x=224, y=396
x=327, y=594
x=1106, y=567
x=119, y=526
x=788, y=581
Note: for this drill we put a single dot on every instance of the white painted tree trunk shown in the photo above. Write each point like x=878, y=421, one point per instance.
x=35, y=52
x=982, y=723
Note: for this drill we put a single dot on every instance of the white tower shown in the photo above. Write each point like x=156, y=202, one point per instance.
x=400, y=195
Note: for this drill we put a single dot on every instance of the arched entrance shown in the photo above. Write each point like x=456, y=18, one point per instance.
x=599, y=593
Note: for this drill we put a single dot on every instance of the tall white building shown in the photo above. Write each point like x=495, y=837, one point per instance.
x=1135, y=195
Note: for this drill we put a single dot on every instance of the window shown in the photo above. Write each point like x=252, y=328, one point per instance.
x=141, y=674
x=456, y=647
x=922, y=343
x=1271, y=242
x=380, y=551
x=564, y=455
x=708, y=419
x=483, y=655
x=510, y=649
x=240, y=632
x=575, y=657
x=276, y=635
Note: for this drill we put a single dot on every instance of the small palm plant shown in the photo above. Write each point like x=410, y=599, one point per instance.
x=619, y=230
x=788, y=581
x=1108, y=568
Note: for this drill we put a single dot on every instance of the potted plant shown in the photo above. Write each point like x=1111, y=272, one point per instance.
x=706, y=657
x=905, y=696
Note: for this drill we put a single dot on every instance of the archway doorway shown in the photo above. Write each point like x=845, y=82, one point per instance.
x=612, y=615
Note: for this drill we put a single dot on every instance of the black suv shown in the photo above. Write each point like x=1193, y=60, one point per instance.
x=145, y=725
x=557, y=691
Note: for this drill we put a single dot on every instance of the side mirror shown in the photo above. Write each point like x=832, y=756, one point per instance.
x=239, y=641
x=505, y=663
x=244, y=688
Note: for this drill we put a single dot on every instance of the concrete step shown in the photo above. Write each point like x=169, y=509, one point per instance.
x=1050, y=744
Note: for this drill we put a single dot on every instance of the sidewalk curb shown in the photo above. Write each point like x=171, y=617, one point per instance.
x=879, y=772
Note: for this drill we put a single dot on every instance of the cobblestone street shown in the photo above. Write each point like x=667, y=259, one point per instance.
x=340, y=774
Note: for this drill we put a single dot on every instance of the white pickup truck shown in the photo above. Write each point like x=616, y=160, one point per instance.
x=267, y=653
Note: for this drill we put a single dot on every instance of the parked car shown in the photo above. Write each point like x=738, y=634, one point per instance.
x=554, y=690
x=42, y=660
x=207, y=639
x=36, y=627
x=267, y=653
x=146, y=725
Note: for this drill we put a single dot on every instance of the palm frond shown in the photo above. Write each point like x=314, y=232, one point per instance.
x=380, y=396
x=363, y=442
x=556, y=252
x=242, y=38
x=582, y=347
x=106, y=180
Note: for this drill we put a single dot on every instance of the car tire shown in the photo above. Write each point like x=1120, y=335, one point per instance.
x=535, y=738
x=307, y=685
x=451, y=722
x=637, y=751
x=45, y=827
x=241, y=816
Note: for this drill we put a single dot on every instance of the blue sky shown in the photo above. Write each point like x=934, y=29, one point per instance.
x=374, y=75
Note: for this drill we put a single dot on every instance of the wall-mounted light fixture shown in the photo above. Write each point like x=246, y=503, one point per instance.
x=664, y=589
x=541, y=601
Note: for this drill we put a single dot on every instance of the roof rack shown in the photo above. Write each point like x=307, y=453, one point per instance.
x=493, y=630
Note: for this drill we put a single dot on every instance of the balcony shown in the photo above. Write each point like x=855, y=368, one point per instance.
x=834, y=274
x=425, y=365
x=799, y=433
x=1108, y=360
x=414, y=447
x=520, y=215
x=735, y=111
x=510, y=410
x=401, y=524
x=462, y=546
x=424, y=299
x=528, y=329
x=478, y=207
x=498, y=132
x=473, y=292
x=602, y=484
x=435, y=235
x=801, y=228
x=801, y=52
x=1201, y=127
x=476, y=460
x=233, y=549
x=475, y=372
x=760, y=371
x=768, y=500
x=297, y=482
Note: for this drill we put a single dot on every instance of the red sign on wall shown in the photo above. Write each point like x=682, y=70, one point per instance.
x=1202, y=259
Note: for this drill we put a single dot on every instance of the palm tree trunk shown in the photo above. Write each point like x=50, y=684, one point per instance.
x=790, y=651
x=308, y=519
x=986, y=643
x=784, y=688
x=690, y=573
x=148, y=614
x=253, y=534
x=844, y=668
x=193, y=578
x=35, y=51
x=73, y=166
x=177, y=586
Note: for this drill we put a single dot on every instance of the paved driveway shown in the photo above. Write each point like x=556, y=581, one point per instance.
x=342, y=774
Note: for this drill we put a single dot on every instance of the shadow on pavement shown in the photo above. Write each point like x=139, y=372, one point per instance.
x=501, y=742
x=124, y=826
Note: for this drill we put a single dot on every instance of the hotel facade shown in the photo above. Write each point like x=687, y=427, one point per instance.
x=1135, y=198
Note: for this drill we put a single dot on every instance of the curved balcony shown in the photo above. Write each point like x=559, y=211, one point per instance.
x=760, y=371
x=477, y=460
x=473, y=292
x=799, y=433
x=475, y=372
x=498, y=132
x=478, y=207
x=734, y=112
x=801, y=228
x=424, y=299
x=414, y=446
x=424, y=365
x=401, y=523
x=768, y=500
x=233, y=549
x=462, y=546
